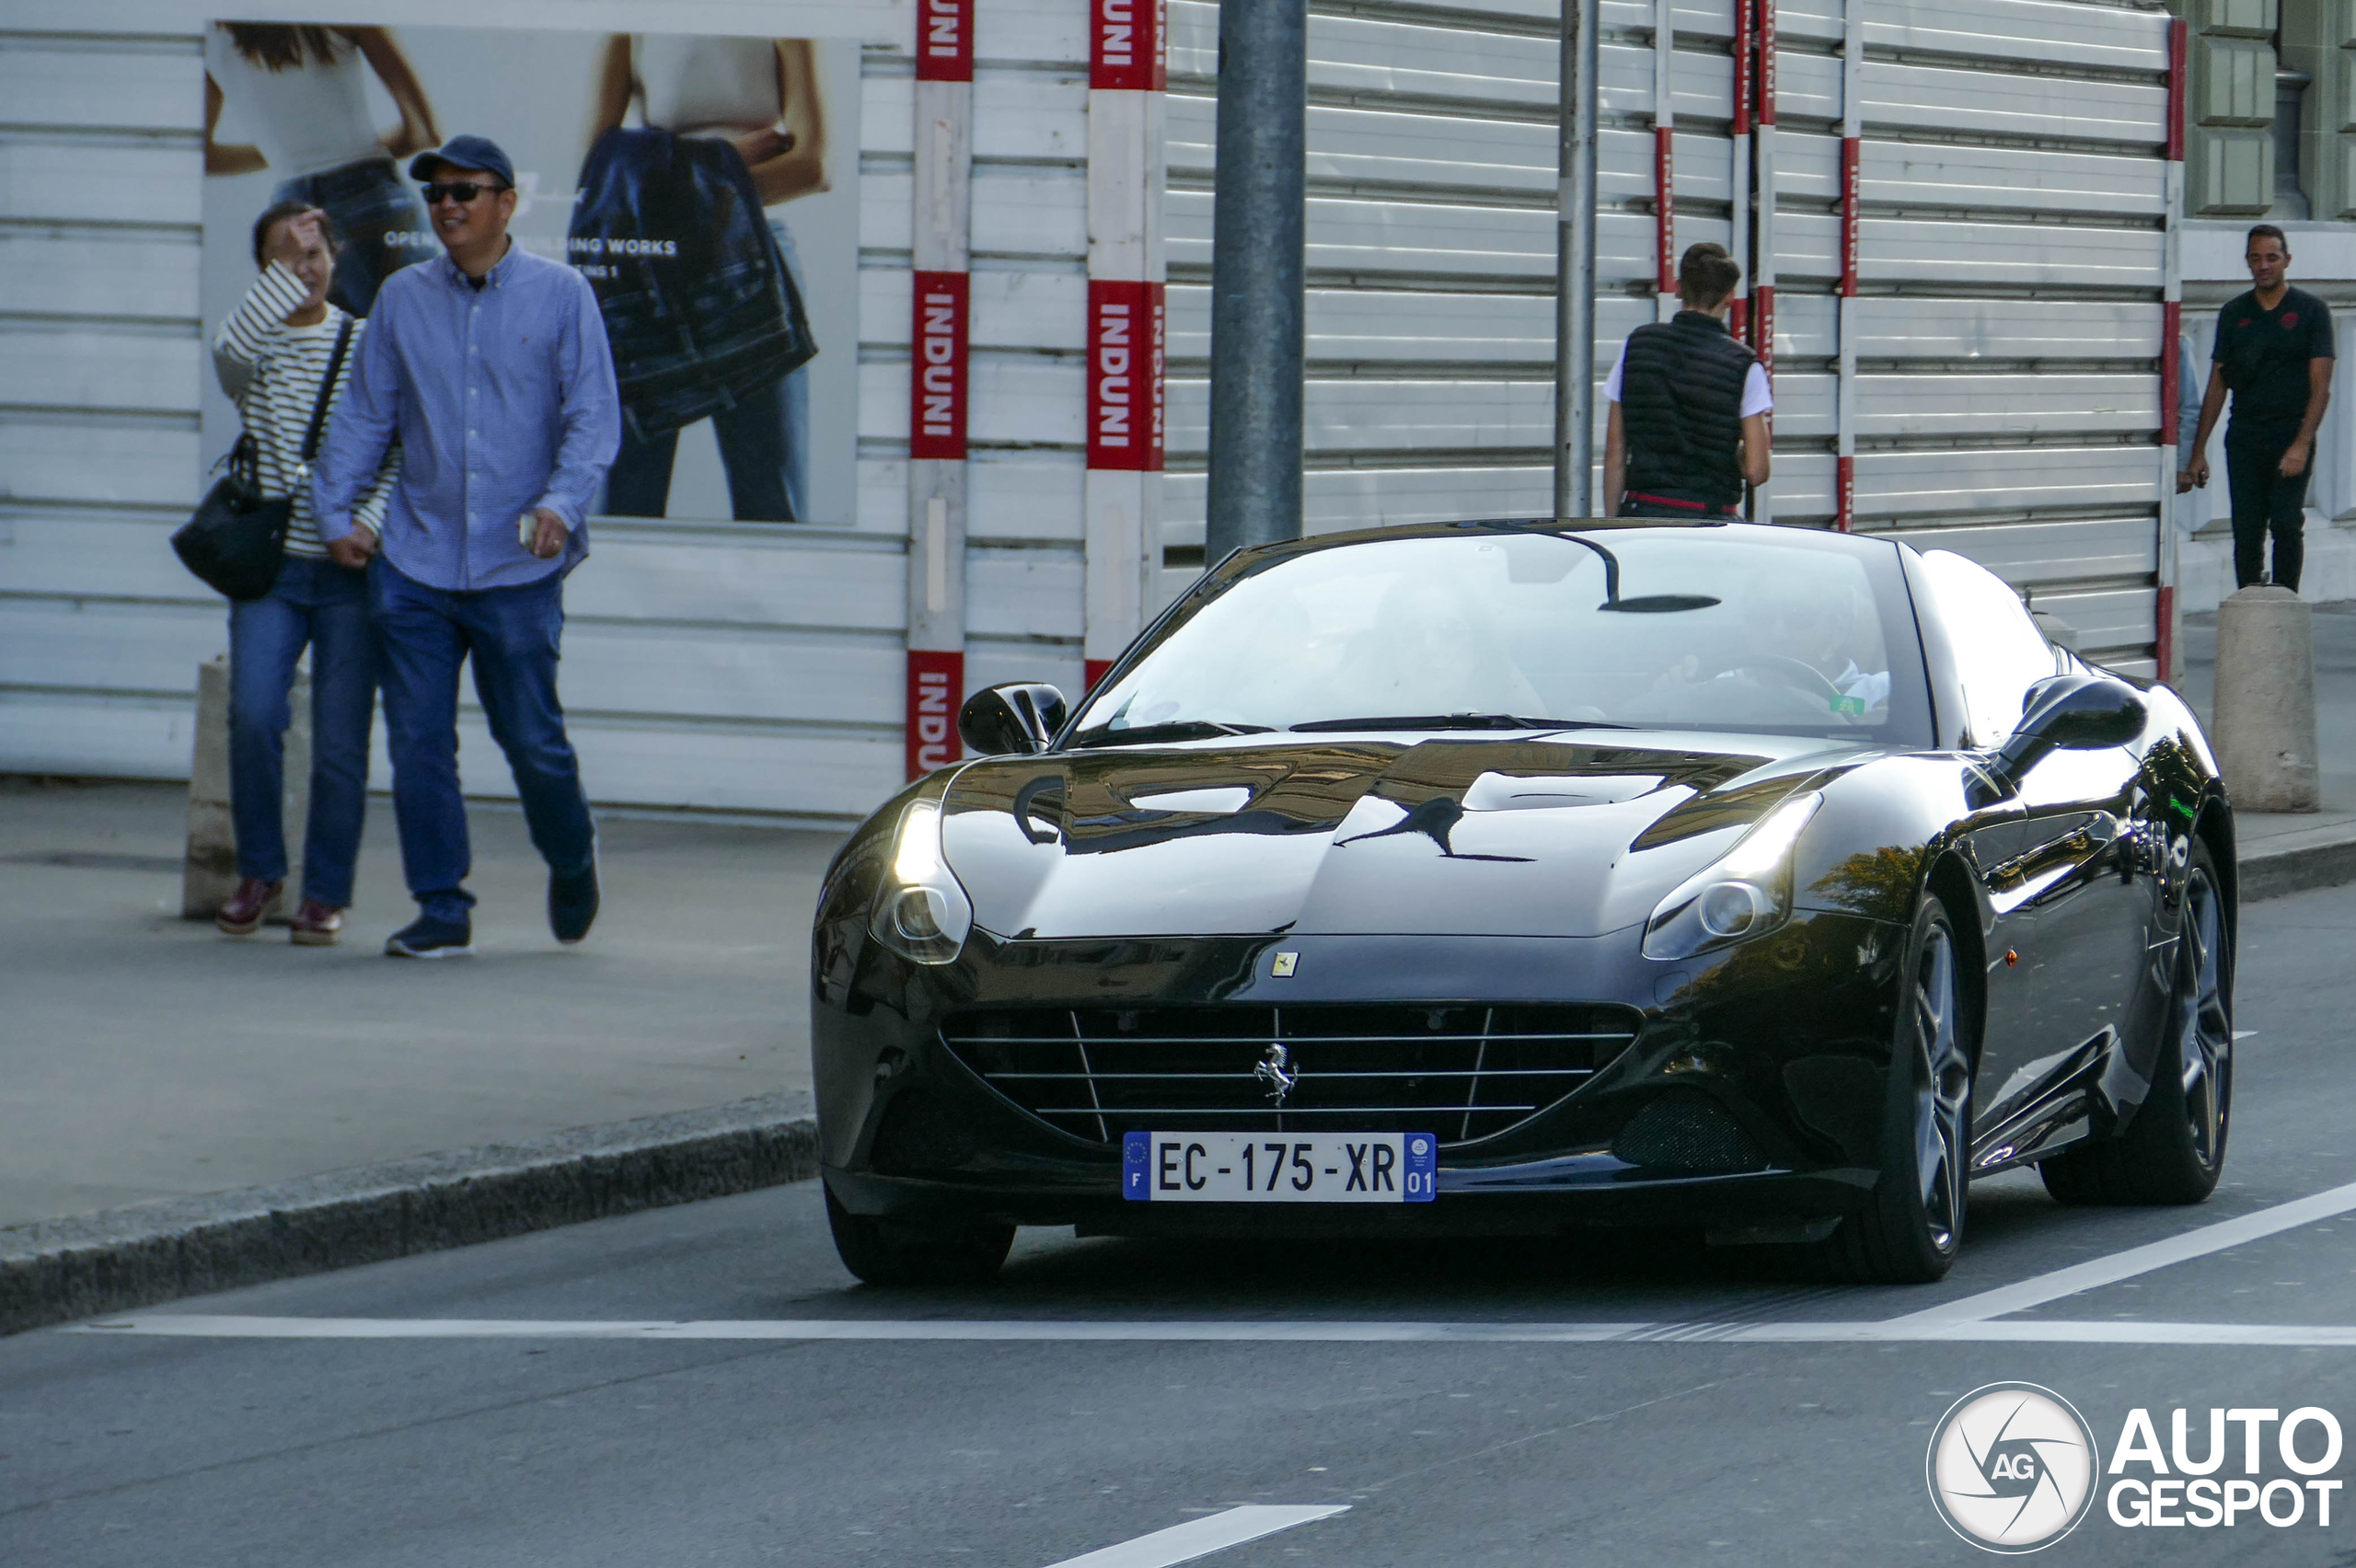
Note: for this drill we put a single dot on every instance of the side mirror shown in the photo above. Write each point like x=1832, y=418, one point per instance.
x=2072, y=713
x=1019, y=718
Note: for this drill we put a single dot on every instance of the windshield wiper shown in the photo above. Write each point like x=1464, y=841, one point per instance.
x=1457, y=722
x=1178, y=729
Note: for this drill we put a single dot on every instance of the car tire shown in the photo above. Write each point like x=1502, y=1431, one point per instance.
x=898, y=1253
x=2174, y=1148
x=1911, y=1228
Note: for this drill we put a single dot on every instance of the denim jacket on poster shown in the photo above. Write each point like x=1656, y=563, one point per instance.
x=698, y=305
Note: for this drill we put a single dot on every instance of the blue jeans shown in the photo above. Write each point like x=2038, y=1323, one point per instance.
x=513, y=635
x=316, y=603
x=764, y=446
x=382, y=223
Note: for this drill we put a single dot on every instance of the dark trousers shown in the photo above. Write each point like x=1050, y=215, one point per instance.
x=316, y=603
x=512, y=636
x=2264, y=501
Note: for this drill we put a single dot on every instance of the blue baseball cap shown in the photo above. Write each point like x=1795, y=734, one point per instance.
x=464, y=152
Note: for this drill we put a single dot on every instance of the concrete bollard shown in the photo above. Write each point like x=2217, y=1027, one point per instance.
x=2264, y=730
x=209, y=873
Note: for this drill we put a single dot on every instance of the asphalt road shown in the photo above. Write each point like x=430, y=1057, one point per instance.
x=539, y=1401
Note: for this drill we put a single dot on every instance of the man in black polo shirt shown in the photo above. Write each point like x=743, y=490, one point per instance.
x=2275, y=354
x=1688, y=426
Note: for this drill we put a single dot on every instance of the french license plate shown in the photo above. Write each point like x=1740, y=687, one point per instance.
x=1254, y=1168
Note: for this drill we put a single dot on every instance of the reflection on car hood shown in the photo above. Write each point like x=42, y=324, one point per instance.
x=1557, y=836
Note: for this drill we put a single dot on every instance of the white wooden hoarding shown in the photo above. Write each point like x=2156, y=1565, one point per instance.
x=749, y=668
x=2007, y=214
x=2006, y=323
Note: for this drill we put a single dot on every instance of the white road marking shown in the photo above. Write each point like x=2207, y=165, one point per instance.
x=2099, y=1272
x=1968, y=1319
x=1055, y=1330
x=1916, y=1329
x=1200, y=1537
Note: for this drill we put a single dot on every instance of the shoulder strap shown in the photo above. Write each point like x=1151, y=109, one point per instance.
x=326, y=390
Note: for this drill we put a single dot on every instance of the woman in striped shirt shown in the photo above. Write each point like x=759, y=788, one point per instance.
x=270, y=355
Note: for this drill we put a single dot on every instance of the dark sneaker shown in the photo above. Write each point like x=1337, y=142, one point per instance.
x=573, y=903
x=242, y=913
x=427, y=938
x=317, y=925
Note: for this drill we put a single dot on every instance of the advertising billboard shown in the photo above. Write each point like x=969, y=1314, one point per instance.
x=707, y=186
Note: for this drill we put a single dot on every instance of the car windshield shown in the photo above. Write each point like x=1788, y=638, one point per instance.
x=1692, y=629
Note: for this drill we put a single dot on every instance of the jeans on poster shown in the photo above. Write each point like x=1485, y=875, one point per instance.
x=318, y=604
x=512, y=636
x=764, y=446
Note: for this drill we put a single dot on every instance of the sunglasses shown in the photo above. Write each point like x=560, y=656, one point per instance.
x=461, y=191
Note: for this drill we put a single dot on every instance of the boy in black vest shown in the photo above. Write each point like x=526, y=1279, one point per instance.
x=1689, y=406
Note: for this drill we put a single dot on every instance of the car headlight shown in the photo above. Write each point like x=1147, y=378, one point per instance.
x=921, y=911
x=1744, y=894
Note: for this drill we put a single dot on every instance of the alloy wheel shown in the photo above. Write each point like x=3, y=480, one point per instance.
x=2204, y=1021
x=1942, y=1090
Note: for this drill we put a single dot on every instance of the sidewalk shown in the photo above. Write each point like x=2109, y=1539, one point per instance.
x=144, y=1056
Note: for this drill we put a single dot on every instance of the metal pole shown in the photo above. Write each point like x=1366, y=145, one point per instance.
x=1257, y=270
x=1574, y=269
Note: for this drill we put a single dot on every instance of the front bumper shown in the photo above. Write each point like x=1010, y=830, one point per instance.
x=1788, y=1036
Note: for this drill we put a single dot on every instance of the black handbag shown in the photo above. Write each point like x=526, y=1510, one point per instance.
x=238, y=538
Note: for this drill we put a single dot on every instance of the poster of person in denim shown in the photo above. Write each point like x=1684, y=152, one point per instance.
x=301, y=97
x=707, y=187
x=701, y=281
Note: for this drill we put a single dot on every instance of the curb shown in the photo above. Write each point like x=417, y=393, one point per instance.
x=57, y=1270
x=2298, y=867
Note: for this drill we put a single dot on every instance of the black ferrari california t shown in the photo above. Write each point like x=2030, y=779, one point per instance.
x=1509, y=876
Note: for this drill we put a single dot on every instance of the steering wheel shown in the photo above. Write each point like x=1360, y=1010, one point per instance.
x=1799, y=672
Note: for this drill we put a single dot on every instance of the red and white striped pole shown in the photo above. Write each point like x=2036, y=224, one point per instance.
x=1762, y=282
x=1844, y=463
x=1127, y=330
x=937, y=384
x=1739, y=312
x=1664, y=158
x=2172, y=389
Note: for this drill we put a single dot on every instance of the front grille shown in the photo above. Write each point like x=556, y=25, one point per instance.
x=1461, y=1072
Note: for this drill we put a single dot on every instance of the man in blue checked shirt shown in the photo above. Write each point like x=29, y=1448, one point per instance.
x=490, y=367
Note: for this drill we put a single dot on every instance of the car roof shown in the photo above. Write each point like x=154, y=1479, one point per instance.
x=1757, y=532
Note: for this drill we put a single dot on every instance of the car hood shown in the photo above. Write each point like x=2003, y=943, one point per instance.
x=1472, y=835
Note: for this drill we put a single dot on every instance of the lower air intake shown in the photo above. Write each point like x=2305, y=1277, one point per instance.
x=1687, y=1132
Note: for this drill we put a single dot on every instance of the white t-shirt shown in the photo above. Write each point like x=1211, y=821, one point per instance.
x=1756, y=399
x=305, y=119
x=706, y=85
